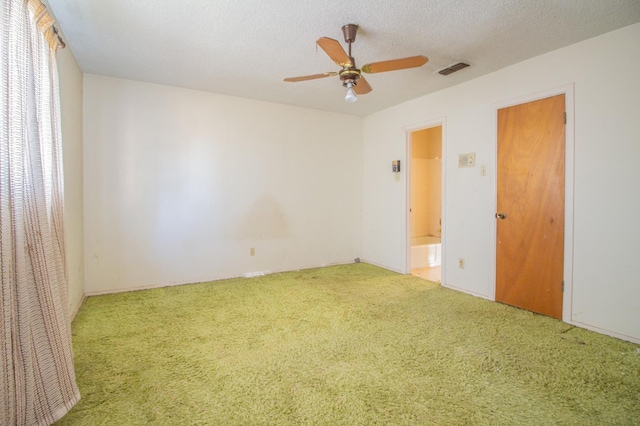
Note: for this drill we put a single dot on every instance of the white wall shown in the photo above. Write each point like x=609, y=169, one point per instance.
x=70, y=78
x=180, y=184
x=604, y=70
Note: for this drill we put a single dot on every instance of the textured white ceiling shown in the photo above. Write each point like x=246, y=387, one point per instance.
x=246, y=47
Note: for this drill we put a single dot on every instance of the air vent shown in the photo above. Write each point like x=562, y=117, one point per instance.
x=453, y=68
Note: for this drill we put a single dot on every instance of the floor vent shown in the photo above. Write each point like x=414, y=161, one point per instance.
x=453, y=68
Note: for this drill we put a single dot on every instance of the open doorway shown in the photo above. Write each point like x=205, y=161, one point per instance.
x=425, y=203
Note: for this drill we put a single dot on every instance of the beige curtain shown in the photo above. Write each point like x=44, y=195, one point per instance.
x=37, y=382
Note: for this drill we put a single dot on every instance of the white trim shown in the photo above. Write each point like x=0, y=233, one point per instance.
x=434, y=122
x=220, y=278
x=76, y=309
x=380, y=265
x=467, y=291
x=568, y=91
x=605, y=331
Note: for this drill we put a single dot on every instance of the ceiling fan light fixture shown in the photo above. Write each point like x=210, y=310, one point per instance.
x=351, y=95
x=349, y=73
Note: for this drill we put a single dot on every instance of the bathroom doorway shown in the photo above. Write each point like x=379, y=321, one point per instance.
x=425, y=203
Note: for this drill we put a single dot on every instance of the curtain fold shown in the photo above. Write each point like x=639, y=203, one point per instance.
x=37, y=382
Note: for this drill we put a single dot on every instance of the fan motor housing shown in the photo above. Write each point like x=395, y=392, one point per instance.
x=349, y=75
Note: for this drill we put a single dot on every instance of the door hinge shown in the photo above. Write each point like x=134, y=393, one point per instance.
x=565, y=118
x=563, y=286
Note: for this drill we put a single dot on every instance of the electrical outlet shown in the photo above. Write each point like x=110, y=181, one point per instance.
x=461, y=263
x=252, y=251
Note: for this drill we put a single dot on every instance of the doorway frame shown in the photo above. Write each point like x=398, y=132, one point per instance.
x=434, y=122
x=568, y=92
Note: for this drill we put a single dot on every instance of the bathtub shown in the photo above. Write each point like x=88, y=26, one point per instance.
x=426, y=252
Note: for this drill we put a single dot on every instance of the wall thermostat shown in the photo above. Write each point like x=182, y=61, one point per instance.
x=395, y=166
x=467, y=160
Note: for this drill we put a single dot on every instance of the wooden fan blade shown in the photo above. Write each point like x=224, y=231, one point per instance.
x=362, y=86
x=334, y=49
x=396, y=64
x=310, y=77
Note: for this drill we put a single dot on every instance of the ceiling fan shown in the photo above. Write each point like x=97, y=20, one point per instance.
x=351, y=76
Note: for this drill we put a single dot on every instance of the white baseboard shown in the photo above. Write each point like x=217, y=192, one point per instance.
x=75, y=309
x=605, y=331
x=379, y=265
x=244, y=275
x=462, y=290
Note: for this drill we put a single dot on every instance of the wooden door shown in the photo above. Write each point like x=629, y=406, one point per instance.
x=530, y=211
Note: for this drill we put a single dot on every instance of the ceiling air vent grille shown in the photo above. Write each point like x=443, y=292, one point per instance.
x=453, y=68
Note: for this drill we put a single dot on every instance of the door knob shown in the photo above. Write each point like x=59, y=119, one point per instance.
x=501, y=216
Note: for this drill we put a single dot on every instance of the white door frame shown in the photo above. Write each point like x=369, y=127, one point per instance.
x=568, y=92
x=439, y=121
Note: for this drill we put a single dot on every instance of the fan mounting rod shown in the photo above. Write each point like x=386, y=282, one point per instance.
x=349, y=31
x=350, y=74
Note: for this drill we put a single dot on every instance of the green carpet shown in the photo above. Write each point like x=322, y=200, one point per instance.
x=345, y=345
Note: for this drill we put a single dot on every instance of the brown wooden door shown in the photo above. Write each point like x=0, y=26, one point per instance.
x=530, y=178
